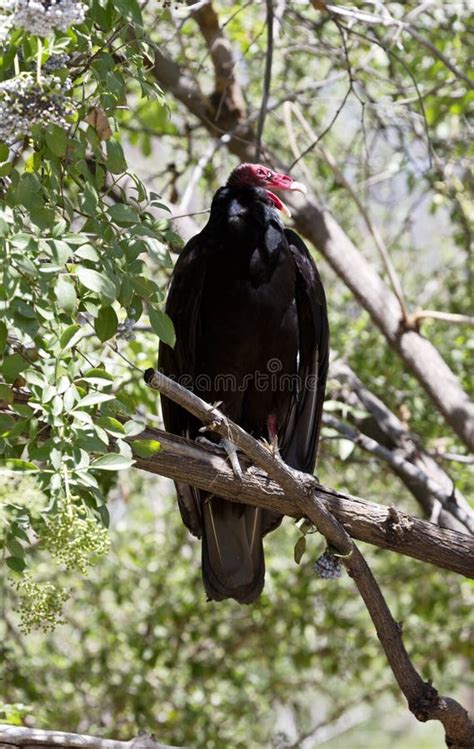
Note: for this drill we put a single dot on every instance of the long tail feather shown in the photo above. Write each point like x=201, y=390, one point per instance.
x=233, y=564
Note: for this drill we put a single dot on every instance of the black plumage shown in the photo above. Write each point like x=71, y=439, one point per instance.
x=250, y=316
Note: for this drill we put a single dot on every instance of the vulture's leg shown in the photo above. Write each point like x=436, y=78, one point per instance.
x=273, y=435
x=230, y=450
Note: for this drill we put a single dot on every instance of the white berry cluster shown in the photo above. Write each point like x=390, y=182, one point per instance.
x=41, y=17
x=24, y=102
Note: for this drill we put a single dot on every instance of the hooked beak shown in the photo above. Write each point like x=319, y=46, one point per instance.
x=298, y=187
x=284, y=182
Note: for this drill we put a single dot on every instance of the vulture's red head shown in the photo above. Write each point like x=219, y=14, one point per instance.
x=257, y=175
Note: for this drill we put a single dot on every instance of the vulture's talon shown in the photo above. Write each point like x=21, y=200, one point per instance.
x=228, y=447
x=201, y=440
x=231, y=451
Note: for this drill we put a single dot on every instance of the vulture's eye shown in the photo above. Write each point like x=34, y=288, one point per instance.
x=260, y=172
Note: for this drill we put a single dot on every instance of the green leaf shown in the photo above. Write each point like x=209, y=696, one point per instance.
x=145, y=448
x=98, y=282
x=3, y=335
x=115, y=158
x=29, y=192
x=129, y=9
x=98, y=376
x=71, y=336
x=162, y=325
x=133, y=428
x=15, y=564
x=94, y=398
x=299, y=550
x=112, y=462
x=15, y=464
x=104, y=515
x=106, y=323
x=15, y=548
x=111, y=425
x=6, y=423
x=345, y=448
x=66, y=295
x=56, y=139
x=6, y=395
x=123, y=215
x=12, y=366
x=87, y=252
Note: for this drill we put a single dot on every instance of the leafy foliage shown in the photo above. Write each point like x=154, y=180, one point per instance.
x=76, y=227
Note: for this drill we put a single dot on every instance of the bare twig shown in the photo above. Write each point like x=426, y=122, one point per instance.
x=205, y=159
x=267, y=79
x=387, y=20
x=450, y=317
x=325, y=131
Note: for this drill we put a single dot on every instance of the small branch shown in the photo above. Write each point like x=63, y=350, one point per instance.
x=456, y=457
x=328, y=127
x=440, y=55
x=14, y=736
x=453, y=317
x=267, y=79
x=205, y=159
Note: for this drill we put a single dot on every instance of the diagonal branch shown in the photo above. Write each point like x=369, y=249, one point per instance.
x=423, y=699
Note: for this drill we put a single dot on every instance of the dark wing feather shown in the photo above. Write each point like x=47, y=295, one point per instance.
x=299, y=441
x=182, y=305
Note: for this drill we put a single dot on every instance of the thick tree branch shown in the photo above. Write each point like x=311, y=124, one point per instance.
x=423, y=699
x=12, y=737
x=385, y=527
x=319, y=226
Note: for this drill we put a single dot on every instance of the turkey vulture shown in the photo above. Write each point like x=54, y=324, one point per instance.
x=251, y=326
